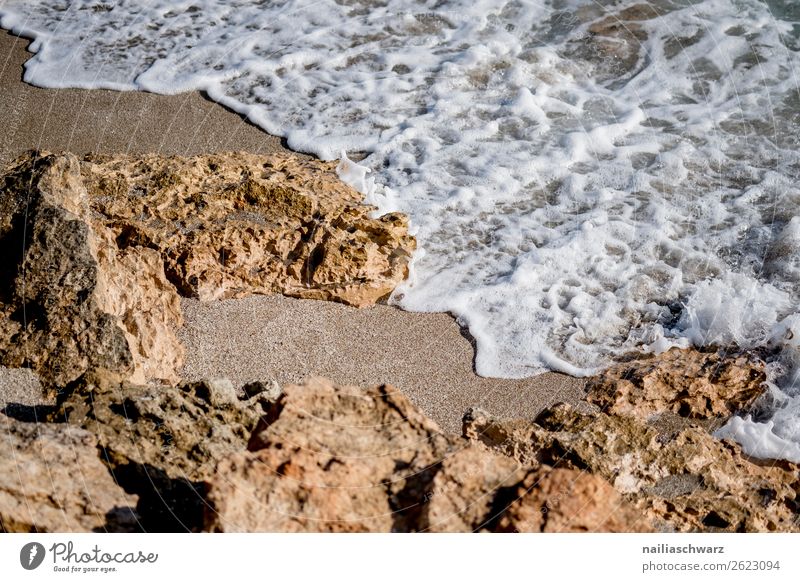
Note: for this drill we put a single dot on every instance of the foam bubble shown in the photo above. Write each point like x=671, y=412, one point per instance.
x=758, y=439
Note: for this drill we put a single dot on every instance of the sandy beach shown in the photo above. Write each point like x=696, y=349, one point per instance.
x=425, y=355
x=198, y=332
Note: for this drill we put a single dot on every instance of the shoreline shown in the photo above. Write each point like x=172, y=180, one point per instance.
x=104, y=121
x=363, y=347
x=425, y=355
x=271, y=413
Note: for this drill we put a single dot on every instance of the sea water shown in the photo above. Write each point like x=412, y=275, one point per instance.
x=585, y=178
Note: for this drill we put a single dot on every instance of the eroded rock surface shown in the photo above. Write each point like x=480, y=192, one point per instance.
x=72, y=299
x=331, y=458
x=569, y=501
x=677, y=474
x=230, y=225
x=161, y=442
x=320, y=457
x=97, y=250
x=52, y=480
x=690, y=383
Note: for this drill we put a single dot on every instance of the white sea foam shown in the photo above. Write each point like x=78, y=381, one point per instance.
x=577, y=190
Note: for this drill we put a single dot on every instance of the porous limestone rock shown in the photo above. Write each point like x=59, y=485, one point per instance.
x=52, y=480
x=183, y=430
x=160, y=442
x=97, y=250
x=466, y=492
x=330, y=458
x=230, y=225
x=72, y=300
x=688, y=382
x=337, y=458
x=680, y=476
x=569, y=501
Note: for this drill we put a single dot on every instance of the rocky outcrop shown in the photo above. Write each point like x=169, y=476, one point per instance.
x=568, y=501
x=476, y=491
x=72, y=299
x=468, y=490
x=98, y=250
x=52, y=480
x=690, y=383
x=328, y=458
x=320, y=457
x=183, y=430
x=678, y=475
x=230, y=225
x=161, y=442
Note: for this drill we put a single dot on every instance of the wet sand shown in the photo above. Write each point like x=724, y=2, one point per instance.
x=427, y=356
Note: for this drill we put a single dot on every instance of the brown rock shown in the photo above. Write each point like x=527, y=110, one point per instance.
x=464, y=493
x=183, y=430
x=230, y=225
x=569, y=501
x=330, y=458
x=680, y=476
x=52, y=480
x=475, y=491
x=99, y=248
x=161, y=442
x=511, y=437
x=72, y=300
x=689, y=383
